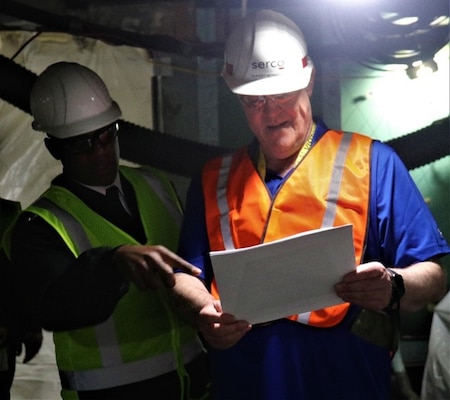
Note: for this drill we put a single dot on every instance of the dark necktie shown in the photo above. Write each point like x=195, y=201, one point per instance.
x=117, y=214
x=112, y=194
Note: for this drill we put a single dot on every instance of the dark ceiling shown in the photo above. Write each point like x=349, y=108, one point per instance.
x=364, y=31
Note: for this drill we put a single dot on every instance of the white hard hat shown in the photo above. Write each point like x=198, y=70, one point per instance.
x=69, y=99
x=266, y=54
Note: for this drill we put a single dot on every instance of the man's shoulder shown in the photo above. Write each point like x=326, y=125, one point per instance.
x=142, y=171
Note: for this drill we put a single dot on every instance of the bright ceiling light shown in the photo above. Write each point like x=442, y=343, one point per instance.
x=443, y=20
x=421, y=69
x=405, y=21
x=404, y=53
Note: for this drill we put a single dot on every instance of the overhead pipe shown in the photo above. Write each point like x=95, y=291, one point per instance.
x=186, y=157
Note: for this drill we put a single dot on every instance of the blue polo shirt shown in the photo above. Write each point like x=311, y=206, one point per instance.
x=289, y=360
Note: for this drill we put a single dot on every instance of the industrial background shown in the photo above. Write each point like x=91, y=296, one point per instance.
x=382, y=69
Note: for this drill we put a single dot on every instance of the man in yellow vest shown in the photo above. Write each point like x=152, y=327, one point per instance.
x=298, y=175
x=95, y=254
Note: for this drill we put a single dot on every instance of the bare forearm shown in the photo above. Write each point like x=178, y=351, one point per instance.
x=190, y=296
x=370, y=285
x=425, y=282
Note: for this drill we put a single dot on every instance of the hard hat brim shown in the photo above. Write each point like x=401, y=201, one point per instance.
x=270, y=85
x=112, y=114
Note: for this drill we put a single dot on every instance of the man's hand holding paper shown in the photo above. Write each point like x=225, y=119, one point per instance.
x=289, y=276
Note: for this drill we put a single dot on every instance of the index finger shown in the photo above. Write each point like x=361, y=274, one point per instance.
x=178, y=263
x=183, y=265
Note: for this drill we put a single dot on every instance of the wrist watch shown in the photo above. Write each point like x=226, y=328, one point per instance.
x=398, y=288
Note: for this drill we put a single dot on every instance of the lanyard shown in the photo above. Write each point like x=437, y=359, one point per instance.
x=261, y=163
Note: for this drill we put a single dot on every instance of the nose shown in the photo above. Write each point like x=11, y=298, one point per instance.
x=271, y=105
x=100, y=148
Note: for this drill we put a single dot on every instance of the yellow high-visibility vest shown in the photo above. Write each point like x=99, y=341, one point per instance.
x=143, y=337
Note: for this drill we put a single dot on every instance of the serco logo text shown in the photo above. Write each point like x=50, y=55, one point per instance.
x=267, y=64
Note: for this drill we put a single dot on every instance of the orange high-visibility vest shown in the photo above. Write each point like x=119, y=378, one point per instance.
x=329, y=187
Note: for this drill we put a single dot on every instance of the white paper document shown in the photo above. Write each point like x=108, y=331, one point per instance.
x=285, y=277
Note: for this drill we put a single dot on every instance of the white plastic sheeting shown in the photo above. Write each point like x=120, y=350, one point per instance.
x=26, y=167
x=436, y=377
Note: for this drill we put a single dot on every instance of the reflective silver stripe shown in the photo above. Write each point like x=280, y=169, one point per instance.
x=105, y=332
x=163, y=195
x=124, y=374
x=335, y=184
x=332, y=197
x=303, y=318
x=222, y=202
x=76, y=231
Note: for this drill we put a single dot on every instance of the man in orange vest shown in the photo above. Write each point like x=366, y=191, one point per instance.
x=295, y=176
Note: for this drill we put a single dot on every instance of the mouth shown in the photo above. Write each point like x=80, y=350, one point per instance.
x=281, y=125
x=103, y=168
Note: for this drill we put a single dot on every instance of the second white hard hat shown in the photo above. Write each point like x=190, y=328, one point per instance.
x=266, y=54
x=69, y=99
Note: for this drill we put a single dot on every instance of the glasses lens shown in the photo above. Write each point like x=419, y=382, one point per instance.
x=283, y=98
x=105, y=136
x=85, y=143
x=259, y=101
x=251, y=101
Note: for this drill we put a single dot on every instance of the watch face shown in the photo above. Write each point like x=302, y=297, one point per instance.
x=398, y=287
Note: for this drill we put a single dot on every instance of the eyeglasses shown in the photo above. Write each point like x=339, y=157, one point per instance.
x=257, y=102
x=85, y=143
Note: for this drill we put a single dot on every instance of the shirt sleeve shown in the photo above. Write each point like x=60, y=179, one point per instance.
x=65, y=292
x=402, y=230
x=194, y=243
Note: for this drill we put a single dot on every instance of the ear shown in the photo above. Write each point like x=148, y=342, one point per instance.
x=310, y=87
x=53, y=148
